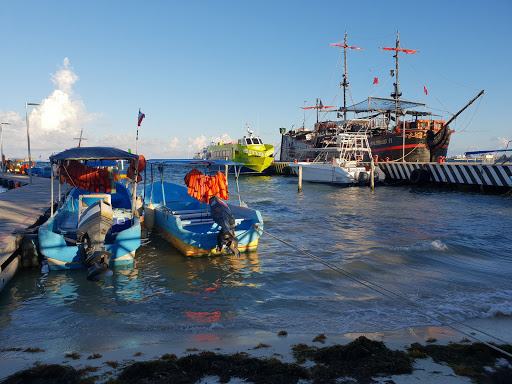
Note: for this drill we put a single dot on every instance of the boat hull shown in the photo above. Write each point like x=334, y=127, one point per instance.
x=194, y=233
x=327, y=173
x=57, y=237
x=389, y=147
x=255, y=158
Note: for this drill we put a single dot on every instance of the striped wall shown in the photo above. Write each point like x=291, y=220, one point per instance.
x=458, y=173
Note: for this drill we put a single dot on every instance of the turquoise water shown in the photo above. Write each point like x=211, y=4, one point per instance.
x=449, y=252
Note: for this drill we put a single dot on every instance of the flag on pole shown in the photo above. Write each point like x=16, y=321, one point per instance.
x=375, y=80
x=320, y=105
x=425, y=90
x=141, y=116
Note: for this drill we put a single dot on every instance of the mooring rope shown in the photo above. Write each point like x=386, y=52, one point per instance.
x=386, y=292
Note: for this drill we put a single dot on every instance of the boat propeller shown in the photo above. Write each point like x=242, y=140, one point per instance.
x=97, y=265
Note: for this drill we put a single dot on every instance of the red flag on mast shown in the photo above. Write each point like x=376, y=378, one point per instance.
x=141, y=116
x=425, y=90
x=375, y=80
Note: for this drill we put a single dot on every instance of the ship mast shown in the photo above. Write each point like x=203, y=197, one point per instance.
x=396, y=94
x=345, y=83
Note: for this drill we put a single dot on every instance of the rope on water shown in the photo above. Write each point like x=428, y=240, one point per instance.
x=388, y=293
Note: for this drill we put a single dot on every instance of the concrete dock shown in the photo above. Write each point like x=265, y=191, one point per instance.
x=20, y=208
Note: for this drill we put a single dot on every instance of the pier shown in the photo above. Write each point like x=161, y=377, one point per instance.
x=20, y=209
x=486, y=177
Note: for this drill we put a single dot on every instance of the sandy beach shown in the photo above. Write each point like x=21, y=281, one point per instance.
x=261, y=345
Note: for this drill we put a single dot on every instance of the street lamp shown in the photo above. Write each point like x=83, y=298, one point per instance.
x=2, y=144
x=28, y=141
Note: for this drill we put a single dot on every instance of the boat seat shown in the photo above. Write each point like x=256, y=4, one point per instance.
x=68, y=223
x=187, y=211
x=194, y=215
x=196, y=222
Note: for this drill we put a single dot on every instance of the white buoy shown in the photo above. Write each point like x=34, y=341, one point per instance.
x=149, y=217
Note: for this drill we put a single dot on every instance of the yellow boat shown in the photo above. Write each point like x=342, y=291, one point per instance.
x=250, y=151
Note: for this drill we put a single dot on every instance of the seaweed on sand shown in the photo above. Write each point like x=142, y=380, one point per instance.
x=45, y=374
x=470, y=360
x=191, y=368
x=360, y=359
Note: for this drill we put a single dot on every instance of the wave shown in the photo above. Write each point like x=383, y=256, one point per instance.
x=434, y=245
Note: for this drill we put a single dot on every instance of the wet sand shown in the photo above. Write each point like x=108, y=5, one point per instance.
x=261, y=345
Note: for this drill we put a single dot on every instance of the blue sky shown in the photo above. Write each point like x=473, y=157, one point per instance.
x=203, y=69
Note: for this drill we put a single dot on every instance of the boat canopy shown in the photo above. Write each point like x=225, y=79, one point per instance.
x=192, y=162
x=381, y=105
x=93, y=153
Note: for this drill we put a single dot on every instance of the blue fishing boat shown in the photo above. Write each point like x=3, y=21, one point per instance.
x=203, y=225
x=97, y=226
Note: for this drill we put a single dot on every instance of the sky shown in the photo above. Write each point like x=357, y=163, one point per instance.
x=202, y=70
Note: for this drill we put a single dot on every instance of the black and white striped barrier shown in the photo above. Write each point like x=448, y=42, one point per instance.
x=454, y=173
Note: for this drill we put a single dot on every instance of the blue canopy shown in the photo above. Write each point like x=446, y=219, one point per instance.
x=93, y=153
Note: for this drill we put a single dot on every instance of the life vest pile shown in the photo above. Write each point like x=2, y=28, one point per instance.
x=130, y=172
x=91, y=179
x=202, y=187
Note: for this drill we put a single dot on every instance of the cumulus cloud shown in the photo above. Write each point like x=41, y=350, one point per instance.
x=196, y=144
x=53, y=124
x=504, y=142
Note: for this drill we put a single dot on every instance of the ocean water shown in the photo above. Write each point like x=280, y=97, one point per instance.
x=448, y=253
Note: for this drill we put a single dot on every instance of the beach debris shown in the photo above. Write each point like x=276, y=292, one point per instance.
x=261, y=345
x=320, y=338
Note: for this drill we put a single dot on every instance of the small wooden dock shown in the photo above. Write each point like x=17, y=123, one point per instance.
x=20, y=208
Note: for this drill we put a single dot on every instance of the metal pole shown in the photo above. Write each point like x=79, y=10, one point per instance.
x=28, y=142
x=372, y=174
x=51, y=182
x=403, y=142
x=2, y=144
x=137, y=142
x=300, y=178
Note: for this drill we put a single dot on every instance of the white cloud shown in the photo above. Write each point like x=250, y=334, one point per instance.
x=53, y=124
x=504, y=142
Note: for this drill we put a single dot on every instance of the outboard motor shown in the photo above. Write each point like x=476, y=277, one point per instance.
x=222, y=215
x=93, y=225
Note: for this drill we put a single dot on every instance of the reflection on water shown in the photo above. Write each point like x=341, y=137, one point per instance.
x=422, y=245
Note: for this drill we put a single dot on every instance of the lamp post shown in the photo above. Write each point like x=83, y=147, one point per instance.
x=282, y=131
x=28, y=142
x=2, y=144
